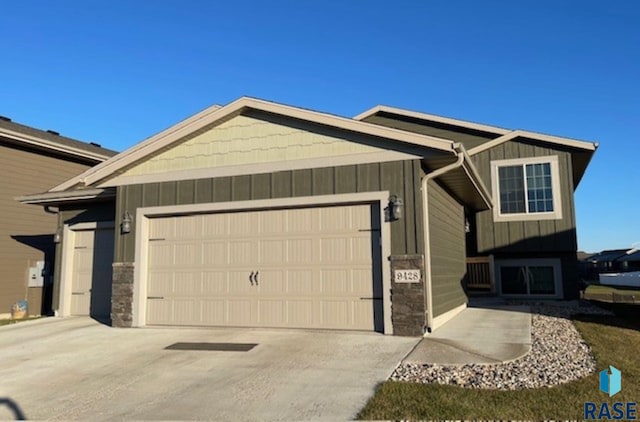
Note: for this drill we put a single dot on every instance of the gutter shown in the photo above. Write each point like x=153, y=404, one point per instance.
x=460, y=152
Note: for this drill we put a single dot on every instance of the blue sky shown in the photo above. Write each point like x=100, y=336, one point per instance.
x=116, y=72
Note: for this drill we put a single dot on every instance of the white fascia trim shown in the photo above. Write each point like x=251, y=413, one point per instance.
x=260, y=168
x=433, y=118
x=213, y=114
x=50, y=197
x=142, y=234
x=43, y=143
x=476, y=180
x=587, y=146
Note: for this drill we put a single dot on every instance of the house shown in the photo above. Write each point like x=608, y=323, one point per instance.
x=529, y=235
x=33, y=160
x=630, y=261
x=266, y=215
x=603, y=262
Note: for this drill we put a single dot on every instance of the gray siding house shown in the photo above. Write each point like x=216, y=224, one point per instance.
x=265, y=215
x=33, y=160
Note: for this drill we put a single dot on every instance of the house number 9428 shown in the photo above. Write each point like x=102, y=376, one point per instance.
x=406, y=276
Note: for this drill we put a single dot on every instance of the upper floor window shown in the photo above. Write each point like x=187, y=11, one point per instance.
x=526, y=189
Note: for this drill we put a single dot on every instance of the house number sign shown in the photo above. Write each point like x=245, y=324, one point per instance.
x=406, y=276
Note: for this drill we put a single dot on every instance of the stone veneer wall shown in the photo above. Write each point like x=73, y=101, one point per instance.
x=122, y=294
x=407, y=299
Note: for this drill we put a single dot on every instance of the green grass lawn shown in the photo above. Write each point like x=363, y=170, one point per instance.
x=614, y=341
x=14, y=321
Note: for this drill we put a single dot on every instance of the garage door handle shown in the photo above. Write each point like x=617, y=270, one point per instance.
x=255, y=277
x=155, y=297
x=251, y=278
x=77, y=293
x=370, y=298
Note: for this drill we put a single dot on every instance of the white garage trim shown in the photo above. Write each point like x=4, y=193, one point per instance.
x=66, y=267
x=142, y=232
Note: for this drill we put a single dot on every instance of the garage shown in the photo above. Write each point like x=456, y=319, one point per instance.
x=305, y=267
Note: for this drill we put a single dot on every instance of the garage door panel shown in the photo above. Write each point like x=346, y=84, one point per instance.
x=302, y=221
x=188, y=227
x=271, y=313
x=240, y=312
x=273, y=222
x=335, y=250
x=335, y=313
x=186, y=311
x=301, y=251
x=214, y=283
x=301, y=313
x=213, y=311
x=160, y=255
x=299, y=282
x=272, y=252
x=240, y=283
x=215, y=253
x=314, y=267
x=272, y=282
x=160, y=311
x=244, y=252
x=187, y=283
x=162, y=228
x=160, y=283
x=244, y=224
x=215, y=225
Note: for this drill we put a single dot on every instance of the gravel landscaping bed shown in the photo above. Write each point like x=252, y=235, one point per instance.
x=558, y=355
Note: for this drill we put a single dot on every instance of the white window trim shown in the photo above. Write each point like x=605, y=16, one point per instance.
x=556, y=214
x=538, y=262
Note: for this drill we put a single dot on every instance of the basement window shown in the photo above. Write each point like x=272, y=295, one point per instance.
x=526, y=189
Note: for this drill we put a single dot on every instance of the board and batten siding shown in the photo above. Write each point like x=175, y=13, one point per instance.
x=527, y=236
x=26, y=231
x=401, y=178
x=447, y=249
x=468, y=137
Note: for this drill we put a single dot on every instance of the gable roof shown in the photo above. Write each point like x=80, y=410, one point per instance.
x=214, y=114
x=581, y=151
x=51, y=141
x=503, y=135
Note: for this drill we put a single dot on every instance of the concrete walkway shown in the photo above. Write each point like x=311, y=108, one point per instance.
x=477, y=335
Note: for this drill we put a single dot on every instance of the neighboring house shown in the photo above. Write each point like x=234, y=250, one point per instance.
x=260, y=214
x=604, y=262
x=33, y=160
x=630, y=261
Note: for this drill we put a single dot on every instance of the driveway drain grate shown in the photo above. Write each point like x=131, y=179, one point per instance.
x=215, y=347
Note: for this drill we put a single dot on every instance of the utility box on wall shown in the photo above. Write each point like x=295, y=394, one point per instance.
x=36, y=275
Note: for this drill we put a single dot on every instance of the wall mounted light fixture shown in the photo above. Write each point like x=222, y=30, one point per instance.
x=127, y=219
x=57, y=236
x=395, y=208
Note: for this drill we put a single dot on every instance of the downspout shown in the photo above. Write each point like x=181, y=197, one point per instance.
x=459, y=150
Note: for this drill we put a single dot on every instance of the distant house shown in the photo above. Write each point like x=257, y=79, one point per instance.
x=33, y=160
x=266, y=215
x=602, y=262
x=630, y=261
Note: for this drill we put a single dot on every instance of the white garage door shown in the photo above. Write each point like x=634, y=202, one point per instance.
x=307, y=268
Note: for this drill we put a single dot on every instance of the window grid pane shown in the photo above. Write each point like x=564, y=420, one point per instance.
x=539, y=191
x=512, y=196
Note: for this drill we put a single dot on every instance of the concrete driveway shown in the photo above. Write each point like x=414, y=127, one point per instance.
x=76, y=368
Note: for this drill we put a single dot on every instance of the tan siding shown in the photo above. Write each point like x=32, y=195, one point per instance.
x=243, y=140
x=447, y=248
x=26, y=230
x=529, y=236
